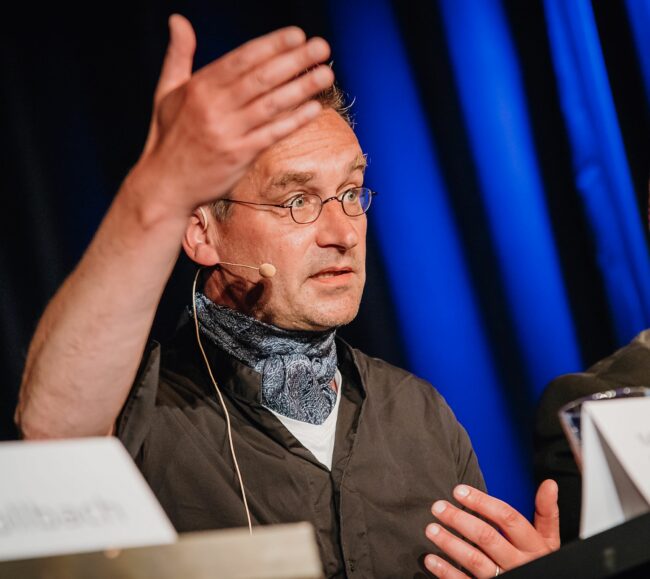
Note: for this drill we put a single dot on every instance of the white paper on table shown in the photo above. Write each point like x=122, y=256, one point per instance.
x=616, y=462
x=70, y=496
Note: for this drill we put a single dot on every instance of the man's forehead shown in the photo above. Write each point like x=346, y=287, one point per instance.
x=325, y=147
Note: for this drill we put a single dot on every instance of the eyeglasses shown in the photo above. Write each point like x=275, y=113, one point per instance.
x=306, y=207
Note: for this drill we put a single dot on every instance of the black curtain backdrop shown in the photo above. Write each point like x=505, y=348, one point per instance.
x=75, y=101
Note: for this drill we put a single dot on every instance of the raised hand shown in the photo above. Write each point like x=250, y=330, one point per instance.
x=486, y=552
x=208, y=127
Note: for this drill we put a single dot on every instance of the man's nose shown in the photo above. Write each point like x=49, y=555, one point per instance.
x=335, y=228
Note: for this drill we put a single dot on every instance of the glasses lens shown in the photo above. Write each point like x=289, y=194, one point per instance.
x=305, y=208
x=356, y=201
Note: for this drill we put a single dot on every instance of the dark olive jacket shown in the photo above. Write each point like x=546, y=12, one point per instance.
x=398, y=448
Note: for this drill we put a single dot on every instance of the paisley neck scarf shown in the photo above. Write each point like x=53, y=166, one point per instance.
x=297, y=367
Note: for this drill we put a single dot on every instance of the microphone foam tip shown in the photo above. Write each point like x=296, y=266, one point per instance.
x=267, y=270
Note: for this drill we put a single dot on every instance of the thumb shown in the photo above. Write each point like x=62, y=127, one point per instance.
x=547, y=513
x=177, y=66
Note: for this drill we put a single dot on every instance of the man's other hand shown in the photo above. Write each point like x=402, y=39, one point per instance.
x=484, y=551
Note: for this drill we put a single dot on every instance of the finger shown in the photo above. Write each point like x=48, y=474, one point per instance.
x=177, y=65
x=442, y=569
x=547, y=513
x=176, y=68
x=513, y=524
x=255, y=52
x=271, y=133
x=483, y=535
x=279, y=70
x=468, y=557
x=288, y=97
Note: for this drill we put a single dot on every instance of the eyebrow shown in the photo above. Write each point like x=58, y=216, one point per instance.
x=359, y=163
x=291, y=178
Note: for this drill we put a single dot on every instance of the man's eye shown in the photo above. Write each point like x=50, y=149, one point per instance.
x=298, y=202
x=351, y=196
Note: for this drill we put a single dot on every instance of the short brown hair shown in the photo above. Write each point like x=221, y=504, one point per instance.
x=333, y=98
x=330, y=98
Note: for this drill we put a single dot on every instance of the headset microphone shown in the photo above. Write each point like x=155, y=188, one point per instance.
x=266, y=269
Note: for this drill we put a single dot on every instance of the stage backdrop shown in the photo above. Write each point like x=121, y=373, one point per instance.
x=508, y=142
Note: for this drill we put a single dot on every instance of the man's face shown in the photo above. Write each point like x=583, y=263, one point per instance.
x=320, y=265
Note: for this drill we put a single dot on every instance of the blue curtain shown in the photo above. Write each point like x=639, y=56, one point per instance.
x=639, y=17
x=599, y=159
x=494, y=107
x=436, y=295
x=434, y=298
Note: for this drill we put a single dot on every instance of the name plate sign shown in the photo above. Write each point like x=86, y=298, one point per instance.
x=616, y=462
x=71, y=496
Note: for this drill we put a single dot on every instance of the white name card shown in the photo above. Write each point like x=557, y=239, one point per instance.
x=70, y=496
x=616, y=462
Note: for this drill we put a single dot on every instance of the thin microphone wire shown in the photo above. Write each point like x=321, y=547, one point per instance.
x=266, y=270
x=223, y=404
x=238, y=265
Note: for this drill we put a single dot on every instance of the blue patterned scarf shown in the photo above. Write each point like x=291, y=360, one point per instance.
x=297, y=367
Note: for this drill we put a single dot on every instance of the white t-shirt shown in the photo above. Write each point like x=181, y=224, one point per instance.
x=317, y=438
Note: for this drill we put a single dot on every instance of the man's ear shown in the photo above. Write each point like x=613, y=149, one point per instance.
x=198, y=242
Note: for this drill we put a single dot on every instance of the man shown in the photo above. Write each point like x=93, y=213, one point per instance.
x=627, y=367
x=249, y=162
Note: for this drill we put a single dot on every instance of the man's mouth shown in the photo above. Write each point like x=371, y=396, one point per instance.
x=332, y=272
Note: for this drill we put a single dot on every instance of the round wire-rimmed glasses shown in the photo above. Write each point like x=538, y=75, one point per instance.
x=306, y=207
